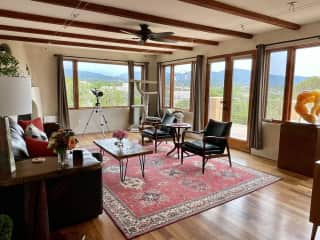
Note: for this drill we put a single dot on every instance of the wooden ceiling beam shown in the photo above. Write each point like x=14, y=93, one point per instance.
x=80, y=44
x=119, y=12
x=226, y=8
x=89, y=37
x=87, y=25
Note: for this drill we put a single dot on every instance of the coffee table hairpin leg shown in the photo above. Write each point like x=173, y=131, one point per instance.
x=142, y=159
x=123, y=163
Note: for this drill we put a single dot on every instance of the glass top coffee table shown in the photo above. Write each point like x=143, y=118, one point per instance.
x=122, y=154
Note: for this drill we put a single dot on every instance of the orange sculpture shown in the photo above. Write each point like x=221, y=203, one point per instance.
x=305, y=98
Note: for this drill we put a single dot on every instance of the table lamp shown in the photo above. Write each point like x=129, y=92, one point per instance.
x=15, y=99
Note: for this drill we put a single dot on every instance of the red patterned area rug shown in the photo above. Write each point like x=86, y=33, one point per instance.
x=170, y=192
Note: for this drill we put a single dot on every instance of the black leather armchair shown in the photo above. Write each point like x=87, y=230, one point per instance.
x=213, y=143
x=158, y=131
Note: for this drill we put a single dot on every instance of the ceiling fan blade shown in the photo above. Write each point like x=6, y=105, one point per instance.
x=130, y=33
x=161, y=34
x=163, y=40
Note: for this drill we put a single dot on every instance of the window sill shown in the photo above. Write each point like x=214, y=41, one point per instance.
x=88, y=108
x=178, y=109
x=272, y=121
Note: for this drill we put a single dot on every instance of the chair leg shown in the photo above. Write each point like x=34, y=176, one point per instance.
x=229, y=156
x=142, y=140
x=156, y=145
x=203, y=164
x=181, y=156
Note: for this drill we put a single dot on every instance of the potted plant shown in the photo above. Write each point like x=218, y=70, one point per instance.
x=13, y=82
x=6, y=227
x=60, y=142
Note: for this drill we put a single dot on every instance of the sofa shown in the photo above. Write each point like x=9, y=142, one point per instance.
x=71, y=199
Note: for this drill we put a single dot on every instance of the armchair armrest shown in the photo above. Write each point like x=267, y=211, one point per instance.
x=214, y=137
x=190, y=131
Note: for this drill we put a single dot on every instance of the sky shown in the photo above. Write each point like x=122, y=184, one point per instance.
x=307, y=62
x=105, y=69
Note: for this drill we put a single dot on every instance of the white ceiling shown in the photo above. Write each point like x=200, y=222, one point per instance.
x=306, y=11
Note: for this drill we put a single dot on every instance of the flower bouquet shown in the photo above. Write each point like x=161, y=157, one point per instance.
x=120, y=135
x=60, y=142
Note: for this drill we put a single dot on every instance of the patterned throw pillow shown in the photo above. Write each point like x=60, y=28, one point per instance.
x=32, y=131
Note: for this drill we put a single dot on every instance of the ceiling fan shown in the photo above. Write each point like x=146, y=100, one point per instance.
x=145, y=34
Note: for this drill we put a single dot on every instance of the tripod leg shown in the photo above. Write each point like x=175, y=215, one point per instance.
x=86, y=126
x=105, y=122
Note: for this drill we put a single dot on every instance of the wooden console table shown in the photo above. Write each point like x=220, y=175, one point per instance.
x=299, y=147
x=32, y=193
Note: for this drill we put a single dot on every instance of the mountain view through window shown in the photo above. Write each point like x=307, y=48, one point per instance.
x=111, y=79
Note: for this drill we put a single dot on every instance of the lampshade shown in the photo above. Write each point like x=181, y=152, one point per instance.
x=15, y=96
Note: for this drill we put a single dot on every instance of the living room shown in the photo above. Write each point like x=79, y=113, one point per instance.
x=220, y=99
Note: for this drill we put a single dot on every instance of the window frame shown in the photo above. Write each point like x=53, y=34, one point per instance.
x=76, y=80
x=286, y=84
x=290, y=69
x=239, y=144
x=172, y=84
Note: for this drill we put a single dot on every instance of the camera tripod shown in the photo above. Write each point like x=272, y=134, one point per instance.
x=102, y=119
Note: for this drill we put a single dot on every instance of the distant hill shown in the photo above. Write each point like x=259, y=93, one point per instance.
x=93, y=76
x=242, y=77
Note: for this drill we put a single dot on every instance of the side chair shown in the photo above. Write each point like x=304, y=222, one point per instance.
x=213, y=144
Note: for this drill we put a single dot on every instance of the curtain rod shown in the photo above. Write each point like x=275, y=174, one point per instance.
x=101, y=59
x=177, y=60
x=294, y=40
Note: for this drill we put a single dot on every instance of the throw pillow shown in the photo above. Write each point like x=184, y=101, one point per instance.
x=33, y=132
x=38, y=148
x=19, y=147
x=36, y=122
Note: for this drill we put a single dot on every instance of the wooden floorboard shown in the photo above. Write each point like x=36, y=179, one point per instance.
x=277, y=212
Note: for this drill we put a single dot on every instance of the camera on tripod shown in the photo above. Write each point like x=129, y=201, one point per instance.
x=97, y=92
x=98, y=110
x=98, y=95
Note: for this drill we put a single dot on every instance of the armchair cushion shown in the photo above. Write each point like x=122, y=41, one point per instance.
x=196, y=146
x=218, y=129
x=152, y=132
x=168, y=118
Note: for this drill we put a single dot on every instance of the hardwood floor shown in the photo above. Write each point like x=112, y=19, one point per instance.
x=277, y=212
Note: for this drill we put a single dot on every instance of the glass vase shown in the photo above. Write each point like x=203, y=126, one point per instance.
x=62, y=158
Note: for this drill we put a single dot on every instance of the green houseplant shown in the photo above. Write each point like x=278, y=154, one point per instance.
x=9, y=65
x=6, y=227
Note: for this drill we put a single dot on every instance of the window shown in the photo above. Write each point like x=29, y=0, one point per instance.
x=290, y=71
x=138, y=75
x=68, y=74
x=177, y=86
x=182, y=86
x=240, y=95
x=216, y=89
x=111, y=79
x=276, y=84
x=167, y=84
x=228, y=93
x=306, y=74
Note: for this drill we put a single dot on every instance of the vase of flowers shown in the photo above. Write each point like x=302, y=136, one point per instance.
x=60, y=142
x=120, y=135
